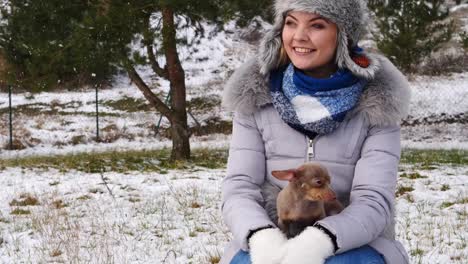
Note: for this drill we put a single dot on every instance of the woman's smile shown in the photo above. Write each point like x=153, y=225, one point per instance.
x=303, y=50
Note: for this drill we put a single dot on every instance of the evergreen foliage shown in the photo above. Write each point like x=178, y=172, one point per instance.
x=142, y=18
x=464, y=40
x=410, y=30
x=79, y=42
x=53, y=42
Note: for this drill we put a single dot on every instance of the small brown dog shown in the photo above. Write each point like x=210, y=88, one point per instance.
x=306, y=199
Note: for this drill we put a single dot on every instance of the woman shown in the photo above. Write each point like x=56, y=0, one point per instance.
x=313, y=95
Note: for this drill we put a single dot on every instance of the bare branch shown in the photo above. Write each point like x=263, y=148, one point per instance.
x=149, y=95
x=107, y=186
x=148, y=40
x=162, y=72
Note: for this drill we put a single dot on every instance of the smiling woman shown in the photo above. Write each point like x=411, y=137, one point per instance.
x=312, y=95
x=310, y=42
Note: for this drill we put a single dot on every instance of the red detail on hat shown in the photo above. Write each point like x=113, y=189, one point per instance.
x=361, y=60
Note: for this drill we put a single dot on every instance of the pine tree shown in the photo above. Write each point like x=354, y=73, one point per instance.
x=410, y=29
x=55, y=39
x=124, y=21
x=52, y=42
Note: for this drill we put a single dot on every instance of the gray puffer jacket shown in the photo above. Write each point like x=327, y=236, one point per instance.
x=362, y=156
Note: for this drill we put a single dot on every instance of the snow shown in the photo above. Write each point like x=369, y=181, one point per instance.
x=141, y=217
x=427, y=223
x=458, y=8
x=437, y=95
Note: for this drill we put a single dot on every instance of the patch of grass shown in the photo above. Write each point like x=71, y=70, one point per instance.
x=445, y=187
x=417, y=252
x=54, y=183
x=204, y=103
x=143, y=161
x=429, y=159
x=78, y=140
x=446, y=204
x=210, y=158
x=56, y=253
x=409, y=198
x=96, y=190
x=413, y=176
x=58, y=204
x=463, y=200
x=134, y=199
x=35, y=109
x=214, y=259
x=129, y=104
x=200, y=229
x=127, y=188
x=84, y=197
x=213, y=125
x=195, y=205
x=25, y=200
x=403, y=189
x=19, y=211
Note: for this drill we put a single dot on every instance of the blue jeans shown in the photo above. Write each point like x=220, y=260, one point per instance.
x=362, y=255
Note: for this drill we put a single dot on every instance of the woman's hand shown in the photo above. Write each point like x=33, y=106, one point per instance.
x=265, y=246
x=312, y=246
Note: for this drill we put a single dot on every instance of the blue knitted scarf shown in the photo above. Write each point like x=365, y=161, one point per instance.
x=314, y=106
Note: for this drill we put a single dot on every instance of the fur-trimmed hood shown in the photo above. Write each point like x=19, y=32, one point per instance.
x=385, y=100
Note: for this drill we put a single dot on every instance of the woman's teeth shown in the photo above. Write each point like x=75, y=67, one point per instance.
x=303, y=50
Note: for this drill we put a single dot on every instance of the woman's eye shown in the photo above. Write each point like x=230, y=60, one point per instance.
x=318, y=26
x=289, y=23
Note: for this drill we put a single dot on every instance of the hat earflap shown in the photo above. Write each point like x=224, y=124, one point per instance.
x=360, y=64
x=270, y=49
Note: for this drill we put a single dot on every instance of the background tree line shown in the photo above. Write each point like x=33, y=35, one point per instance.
x=54, y=43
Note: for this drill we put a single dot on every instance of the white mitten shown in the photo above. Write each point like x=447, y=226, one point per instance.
x=265, y=246
x=312, y=246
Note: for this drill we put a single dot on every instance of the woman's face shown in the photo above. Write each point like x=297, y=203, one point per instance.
x=310, y=42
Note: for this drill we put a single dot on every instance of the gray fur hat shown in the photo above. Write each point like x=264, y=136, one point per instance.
x=351, y=18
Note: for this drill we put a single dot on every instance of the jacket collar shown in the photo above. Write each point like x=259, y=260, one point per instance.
x=384, y=101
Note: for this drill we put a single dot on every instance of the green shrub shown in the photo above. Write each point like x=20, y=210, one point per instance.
x=410, y=30
x=53, y=43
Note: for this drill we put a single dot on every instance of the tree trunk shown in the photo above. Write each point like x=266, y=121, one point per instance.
x=179, y=126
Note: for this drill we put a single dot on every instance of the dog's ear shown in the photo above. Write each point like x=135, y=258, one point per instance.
x=285, y=175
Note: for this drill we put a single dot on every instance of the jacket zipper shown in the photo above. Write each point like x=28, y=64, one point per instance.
x=310, y=149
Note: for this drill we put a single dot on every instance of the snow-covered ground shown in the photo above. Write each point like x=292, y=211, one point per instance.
x=138, y=217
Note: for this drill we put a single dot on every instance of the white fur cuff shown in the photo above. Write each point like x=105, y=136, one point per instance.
x=312, y=246
x=265, y=245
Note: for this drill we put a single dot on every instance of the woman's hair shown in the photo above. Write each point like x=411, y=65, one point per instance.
x=283, y=57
